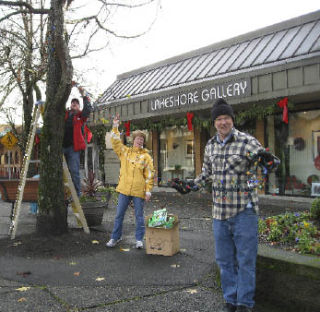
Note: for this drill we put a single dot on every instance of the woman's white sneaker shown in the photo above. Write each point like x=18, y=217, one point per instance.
x=113, y=242
x=139, y=244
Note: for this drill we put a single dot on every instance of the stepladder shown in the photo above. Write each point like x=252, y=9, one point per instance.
x=67, y=180
x=70, y=192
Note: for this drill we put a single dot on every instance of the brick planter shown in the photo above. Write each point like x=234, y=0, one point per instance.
x=288, y=280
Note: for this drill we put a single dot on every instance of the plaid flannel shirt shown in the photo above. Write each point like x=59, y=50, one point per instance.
x=228, y=166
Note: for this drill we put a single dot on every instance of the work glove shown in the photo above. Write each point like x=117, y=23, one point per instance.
x=183, y=186
x=193, y=186
x=266, y=160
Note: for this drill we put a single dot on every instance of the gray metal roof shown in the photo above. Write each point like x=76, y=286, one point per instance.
x=296, y=38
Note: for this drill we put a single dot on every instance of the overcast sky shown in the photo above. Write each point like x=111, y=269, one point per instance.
x=185, y=25
x=180, y=26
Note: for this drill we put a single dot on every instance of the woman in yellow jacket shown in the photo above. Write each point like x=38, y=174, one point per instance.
x=135, y=182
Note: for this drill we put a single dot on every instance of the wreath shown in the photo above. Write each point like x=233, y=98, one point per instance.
x=299, y=144
x=312, y=178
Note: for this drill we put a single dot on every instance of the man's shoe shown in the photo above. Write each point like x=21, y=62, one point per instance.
x=243, y=308
x=139, y=244
x=228, y=307
x=113, y=242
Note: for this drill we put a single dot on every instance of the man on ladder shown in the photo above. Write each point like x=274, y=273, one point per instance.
x=75, y=131
x=77, y=121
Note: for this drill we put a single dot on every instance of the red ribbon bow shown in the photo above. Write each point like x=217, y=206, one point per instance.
x=127, y=126
x=37, y=139
x=88, y=133
x=189, y=119
x=284, y=105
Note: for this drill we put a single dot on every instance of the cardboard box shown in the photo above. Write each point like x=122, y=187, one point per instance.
x=161, y=241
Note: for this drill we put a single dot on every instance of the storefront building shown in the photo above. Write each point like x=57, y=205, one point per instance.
x=257, y=73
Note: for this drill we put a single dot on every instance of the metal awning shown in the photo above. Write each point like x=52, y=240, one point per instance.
x=288, y=41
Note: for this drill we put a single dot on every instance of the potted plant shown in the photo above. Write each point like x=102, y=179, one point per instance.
x=94, y=199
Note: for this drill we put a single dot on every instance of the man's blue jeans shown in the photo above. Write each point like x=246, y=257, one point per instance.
x=123, y=203
x=73, y=162
x=236, y=245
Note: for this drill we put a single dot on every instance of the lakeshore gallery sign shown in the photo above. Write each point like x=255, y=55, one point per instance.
x=202, y=95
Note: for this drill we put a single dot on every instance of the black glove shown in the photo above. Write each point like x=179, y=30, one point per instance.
x=182, y=186
x=194, y=187
x=267, y=160
x=179, y=185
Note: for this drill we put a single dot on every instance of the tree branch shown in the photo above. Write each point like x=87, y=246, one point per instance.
x=126, y=5
x=26, y=5
x=100, y=25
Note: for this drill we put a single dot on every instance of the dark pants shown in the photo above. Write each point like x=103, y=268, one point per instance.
x=73, y=162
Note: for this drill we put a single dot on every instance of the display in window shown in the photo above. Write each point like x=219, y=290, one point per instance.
x=176, y=154
x=298, y=146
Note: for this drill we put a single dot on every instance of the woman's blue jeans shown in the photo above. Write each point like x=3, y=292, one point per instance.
x=123, y=203
x=236, y=245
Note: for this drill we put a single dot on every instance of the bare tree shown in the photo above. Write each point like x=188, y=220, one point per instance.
x=56, y=40
x=23, y=62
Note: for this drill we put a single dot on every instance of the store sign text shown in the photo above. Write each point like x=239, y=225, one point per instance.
x=204, y=95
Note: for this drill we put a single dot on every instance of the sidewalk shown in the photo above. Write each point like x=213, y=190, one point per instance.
x=83, y=275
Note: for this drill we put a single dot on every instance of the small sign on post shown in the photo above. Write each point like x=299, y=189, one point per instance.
x=9, y=140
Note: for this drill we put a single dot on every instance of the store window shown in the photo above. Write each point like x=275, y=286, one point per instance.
x=297, y=144
x=176, y=154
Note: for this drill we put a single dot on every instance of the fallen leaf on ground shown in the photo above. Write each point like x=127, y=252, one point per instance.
x=124, y=249
x=23, y=299
x=23, y=288
x=192, y=291
x=95, y=242
x=99, y=279
x=76, y=273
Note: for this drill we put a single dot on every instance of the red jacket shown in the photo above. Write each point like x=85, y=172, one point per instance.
x=79, y=142
x=80, y=129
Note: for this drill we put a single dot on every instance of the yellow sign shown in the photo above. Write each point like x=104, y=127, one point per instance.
x=9, y=140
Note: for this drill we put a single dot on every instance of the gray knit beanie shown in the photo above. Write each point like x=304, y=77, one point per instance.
x=221, y=107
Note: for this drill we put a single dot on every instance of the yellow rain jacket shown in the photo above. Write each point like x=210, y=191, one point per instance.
x=136, y=168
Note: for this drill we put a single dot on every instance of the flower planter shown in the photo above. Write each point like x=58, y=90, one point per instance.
x=93, y=211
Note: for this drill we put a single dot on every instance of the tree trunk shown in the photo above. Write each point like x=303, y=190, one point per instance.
x=52, y=218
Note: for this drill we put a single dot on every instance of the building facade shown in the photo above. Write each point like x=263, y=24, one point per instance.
x=261, y=74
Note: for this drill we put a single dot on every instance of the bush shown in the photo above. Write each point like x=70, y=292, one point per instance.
x=315, y=209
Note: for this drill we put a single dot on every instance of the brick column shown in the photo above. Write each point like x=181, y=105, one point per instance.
x=259, y=133
x=197, y=151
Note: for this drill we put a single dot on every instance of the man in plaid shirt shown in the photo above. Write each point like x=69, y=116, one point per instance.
x=230, y=162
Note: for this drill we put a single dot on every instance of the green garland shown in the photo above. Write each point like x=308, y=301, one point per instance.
x=99, y=130
x=258, y=112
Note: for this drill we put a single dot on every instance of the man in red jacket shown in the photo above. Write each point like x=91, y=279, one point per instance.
x=74, y=138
